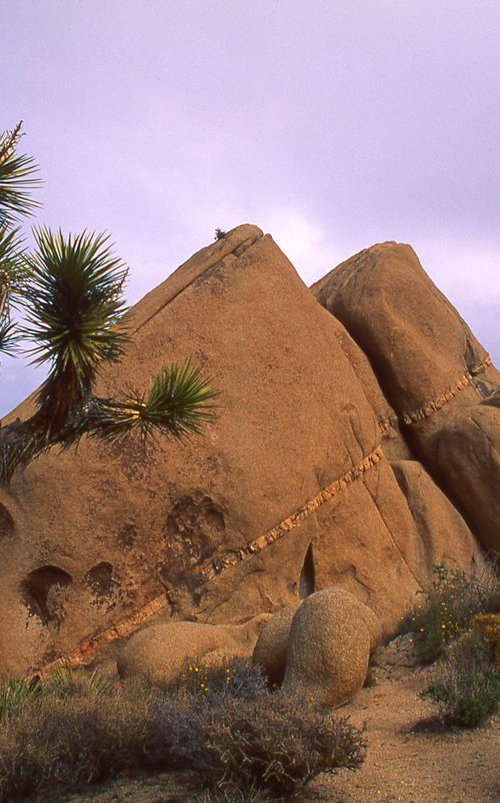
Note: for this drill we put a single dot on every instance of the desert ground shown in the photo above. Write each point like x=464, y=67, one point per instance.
x=409, y=759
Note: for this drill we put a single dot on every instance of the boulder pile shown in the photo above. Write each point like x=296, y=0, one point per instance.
x=321, y=647
x=356, y=446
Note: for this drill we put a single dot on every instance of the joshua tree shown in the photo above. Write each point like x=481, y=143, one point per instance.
x=69, y=292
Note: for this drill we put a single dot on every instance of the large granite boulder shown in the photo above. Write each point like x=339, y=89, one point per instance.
x=272, y=644
x=161, y=652
x=331, y=638
x=435, y=374
x=289, y=491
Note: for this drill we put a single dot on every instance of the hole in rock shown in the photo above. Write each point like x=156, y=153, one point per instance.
x=307, y=580
x=192, y=530
x=45, y=591
x=127, y=536
x=6, y=523
x=100, y=579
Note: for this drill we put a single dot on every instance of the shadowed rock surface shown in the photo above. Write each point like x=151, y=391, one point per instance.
x=303, y=482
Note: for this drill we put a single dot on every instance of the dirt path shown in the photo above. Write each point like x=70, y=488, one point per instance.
x=411, y=765
x=402, y=764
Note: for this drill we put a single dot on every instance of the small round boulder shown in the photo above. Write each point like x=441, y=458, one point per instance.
x=271, y=648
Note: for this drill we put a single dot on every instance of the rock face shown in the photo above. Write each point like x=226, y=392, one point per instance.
x=329, y=647
x=303, y=482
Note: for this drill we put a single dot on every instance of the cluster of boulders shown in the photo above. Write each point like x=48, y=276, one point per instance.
x=356, y=446
x=319, y=648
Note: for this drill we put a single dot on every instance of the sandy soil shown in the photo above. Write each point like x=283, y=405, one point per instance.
x=408, y=764
x=403, y=763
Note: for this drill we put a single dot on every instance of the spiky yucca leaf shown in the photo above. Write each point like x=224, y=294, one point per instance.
x=73, y=305
x=9, y=337
x=19, y=444
x=9, y=140
x=17, y=178
x=179, y=403
x=14, y=273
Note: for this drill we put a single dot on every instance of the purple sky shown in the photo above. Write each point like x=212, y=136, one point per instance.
x=332, y=125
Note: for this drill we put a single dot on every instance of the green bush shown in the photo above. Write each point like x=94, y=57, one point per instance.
x=448, y=609
x=467, y=683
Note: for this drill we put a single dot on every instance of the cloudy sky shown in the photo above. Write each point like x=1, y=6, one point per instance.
x=330, y=124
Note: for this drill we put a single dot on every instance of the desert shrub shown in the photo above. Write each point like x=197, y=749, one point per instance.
x=448, y=609
x=181, y=713
x=232, y=677
x=177, y=738
x=242, y=740
x=66, y=740
x=246, y=742
x=279, y=743
x=467, y=683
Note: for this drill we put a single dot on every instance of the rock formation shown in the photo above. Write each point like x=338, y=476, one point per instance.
x=437, y=376
x=343, y=454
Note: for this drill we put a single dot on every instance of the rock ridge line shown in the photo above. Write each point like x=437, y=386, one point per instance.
x=429, y=408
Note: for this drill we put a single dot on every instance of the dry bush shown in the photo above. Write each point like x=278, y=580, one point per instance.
x=177, y=738
x=70, y=735
x=79, y=729
x=279, y=743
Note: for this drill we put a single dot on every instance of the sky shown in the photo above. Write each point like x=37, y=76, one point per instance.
x=331, y=125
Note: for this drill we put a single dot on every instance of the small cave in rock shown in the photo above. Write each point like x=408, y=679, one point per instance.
x=6, y=523
x=307, y=580
x=45, y=591
x=100, y=579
